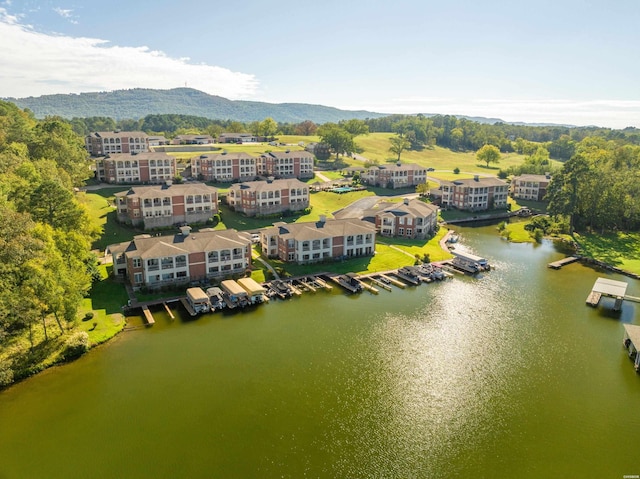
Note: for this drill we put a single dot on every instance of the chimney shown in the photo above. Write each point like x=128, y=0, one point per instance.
x=323, y=219
x=168, y=182
x=185, y=230
x=270, y=179
x=406, y=201
x=476, y=177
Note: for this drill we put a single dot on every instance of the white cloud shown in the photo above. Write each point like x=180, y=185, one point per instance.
x=64, y=13
x=35, y=64
x=599, y=112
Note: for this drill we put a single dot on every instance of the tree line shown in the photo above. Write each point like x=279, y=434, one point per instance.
x=46, y=264
x=598, y=188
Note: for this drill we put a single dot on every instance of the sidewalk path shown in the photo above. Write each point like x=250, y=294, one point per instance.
x=256, y=256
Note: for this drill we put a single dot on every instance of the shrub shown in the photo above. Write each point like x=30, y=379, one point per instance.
x=88, y=316
x=6, y=375
x=76, y=345
x=456, y=170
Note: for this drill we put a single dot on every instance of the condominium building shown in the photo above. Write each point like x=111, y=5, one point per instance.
x=166, y=205
x=530, y=187
x=286, y=164
x=256, y=198
x=101, y=143
x=474, y=194
x=149, y=167
x=224, y=167
x=399, y=175
x=319, y=241
x=409, y=219
x=155, y=261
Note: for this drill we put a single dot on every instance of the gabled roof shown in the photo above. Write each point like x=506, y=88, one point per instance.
x=146, y=246
x=480, y=181
x=145, y=155
x=119, y=134
x=225, y=156
x=282, y=184
x=399, y=167
x=157, y=191
x=414, y=207
x=289, y=154
x=533, y=178
x=321, y=229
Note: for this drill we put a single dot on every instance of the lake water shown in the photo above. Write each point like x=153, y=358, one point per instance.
x=509, y=374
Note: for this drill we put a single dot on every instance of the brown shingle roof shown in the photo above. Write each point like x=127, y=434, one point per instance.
x=164, y=190
x=204, y=240
x=320, y=230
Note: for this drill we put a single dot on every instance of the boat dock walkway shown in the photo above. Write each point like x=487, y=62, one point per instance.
x=563, y=262
x=148, y=317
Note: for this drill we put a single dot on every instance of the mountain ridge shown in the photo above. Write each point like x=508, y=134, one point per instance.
x=136, y=103
x=139, y=102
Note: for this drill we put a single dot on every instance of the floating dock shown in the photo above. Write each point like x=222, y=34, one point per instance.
x=393, y=281
x=563, y=262
x=148, y=317
x=323, y=283
x=379, y=283
x=169, y=312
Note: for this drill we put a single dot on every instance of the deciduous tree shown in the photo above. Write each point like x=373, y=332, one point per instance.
x=488, y=154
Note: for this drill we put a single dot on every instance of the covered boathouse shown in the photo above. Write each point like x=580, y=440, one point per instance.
x=631, y=343
x=610, y=288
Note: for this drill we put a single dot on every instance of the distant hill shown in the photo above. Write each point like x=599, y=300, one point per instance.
x=138, y=103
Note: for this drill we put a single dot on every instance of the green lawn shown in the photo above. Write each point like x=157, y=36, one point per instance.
x=444, y=161
x=621, y=250
x=99, y=204
x=516, y=233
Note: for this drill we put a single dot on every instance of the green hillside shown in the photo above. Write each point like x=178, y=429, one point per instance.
x=137, y=103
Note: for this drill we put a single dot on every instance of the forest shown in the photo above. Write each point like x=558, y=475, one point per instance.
x=46, y=264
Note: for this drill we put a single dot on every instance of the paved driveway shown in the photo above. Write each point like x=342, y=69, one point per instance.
x=357, y=208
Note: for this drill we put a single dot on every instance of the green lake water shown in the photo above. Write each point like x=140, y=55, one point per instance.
x=505, y=375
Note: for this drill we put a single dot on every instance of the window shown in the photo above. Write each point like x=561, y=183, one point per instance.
x=137, y=263
x=137, y=278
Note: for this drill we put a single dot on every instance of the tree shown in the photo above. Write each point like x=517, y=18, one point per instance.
x=488, y=154
x=267, y=128
x=355, y=127
x=339, y=139
x=52, y=204
x=422, y=189
x=306, y=128
x=398, y=144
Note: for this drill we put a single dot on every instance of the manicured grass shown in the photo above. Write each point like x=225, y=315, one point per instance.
x=420, y=247
x=621, y=250
x=516, y=233
x=326, y=202
x=99, y=204
x=376, y=147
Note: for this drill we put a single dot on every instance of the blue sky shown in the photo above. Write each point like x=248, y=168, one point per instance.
x=562, y=61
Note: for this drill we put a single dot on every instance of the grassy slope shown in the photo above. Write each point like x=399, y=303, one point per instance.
x=444, y=161
x=621, y=250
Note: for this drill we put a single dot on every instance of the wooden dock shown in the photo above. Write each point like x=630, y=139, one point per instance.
x=148, y=317
x=368, y=287
x=393, y=281
x=563, y=262
x=323, y=283
x=594, y=298
x=169, y=312
x=380, y=284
